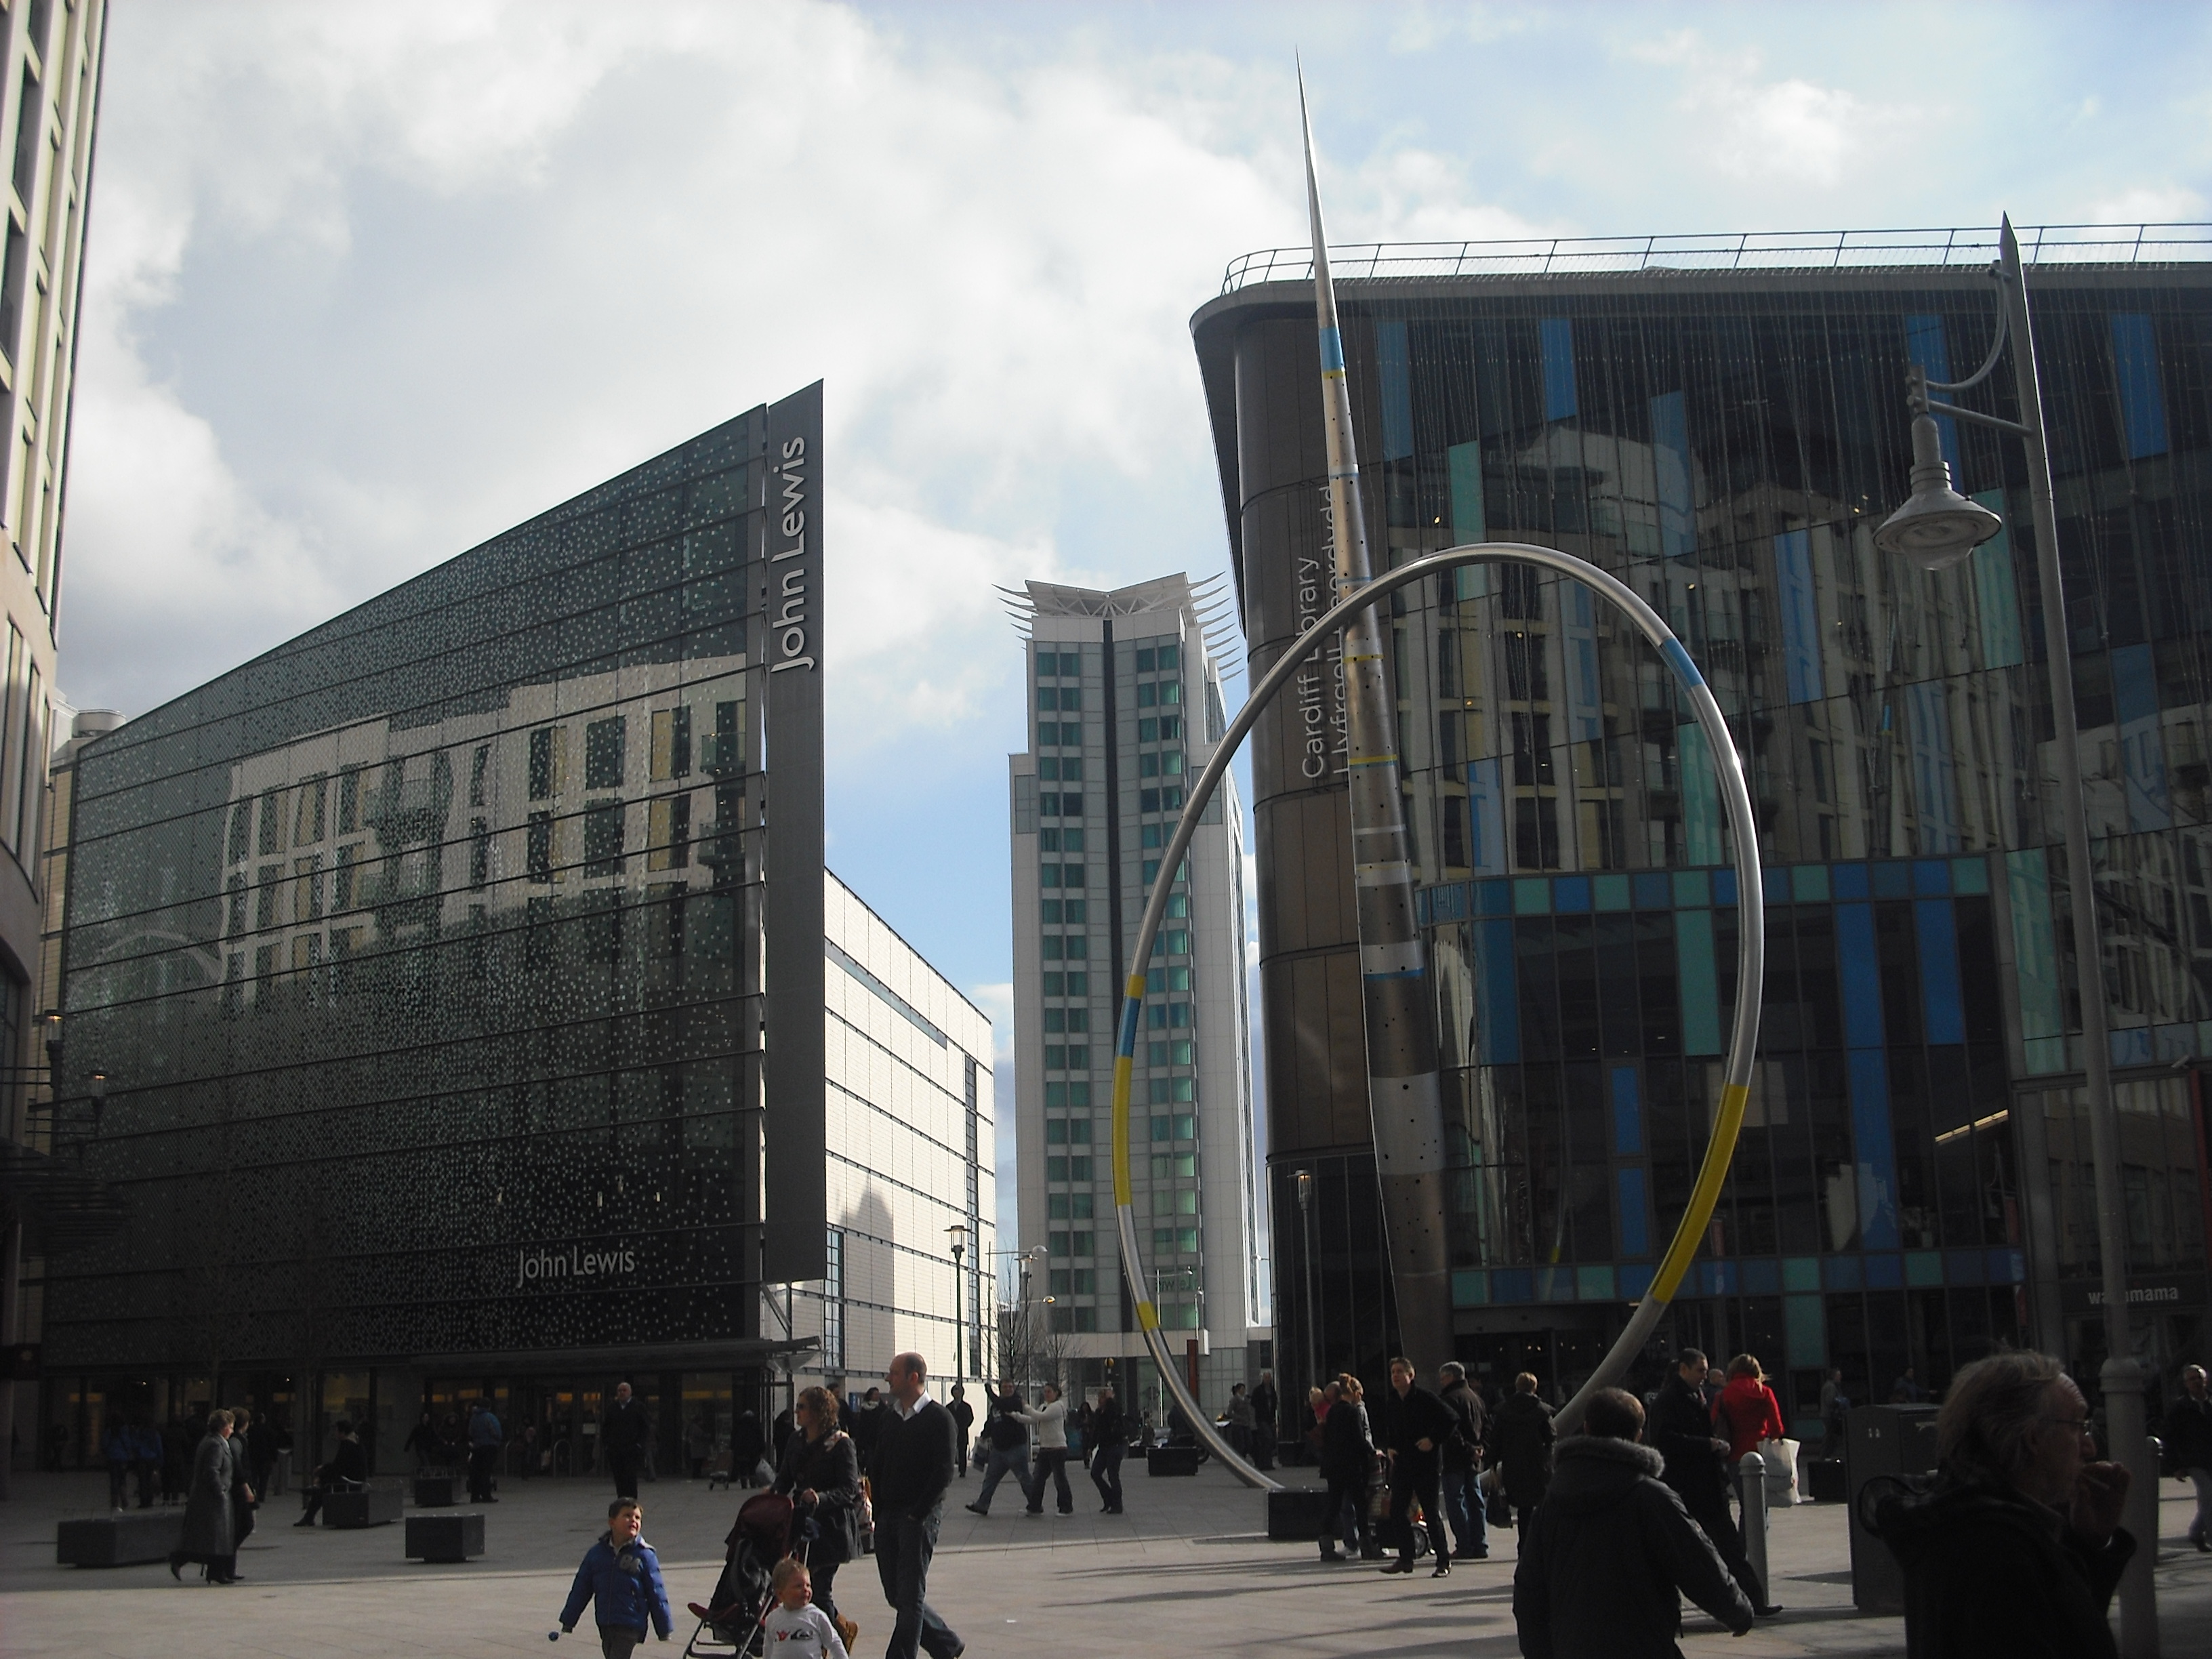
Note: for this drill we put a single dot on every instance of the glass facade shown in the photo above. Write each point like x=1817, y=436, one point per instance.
x=423, y=957
x=1913, y=1184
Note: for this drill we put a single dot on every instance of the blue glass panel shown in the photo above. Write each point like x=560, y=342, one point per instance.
x=1595, y=1284
x=1805, y=1332
x=1964, y=1266
x=1493, y=898
x=1425, y=908
x=1469, y=521
x=2008, y=1266
x=1571, y=895
x=1611, y=892
x=2132, y=1045
x=2135, y=366
x=1555, y=1283
x=1996, y=593
x=1924, y=1268
x=1670, y=458
x=1652, y=891
x=1860, y=969
x=1692, y=888
x=1627, y=1117
x=1761, y=1275
x=1512, y=1285
x=1931, y=878
x=1885, y=1273
x=1694, y=978
x=1843, y=1273
x=1893, y=881
x=1774, y=882
x=2135, y=704
x=1470, y=1287
x=1970, y=876
x=1939, y=970
x=1934, y=773
x=2034, y=948
x=1485, y=811
x=1557, y=337
x=1800, y=616
x=1724, y=887
x=1395, y=381
x=1926, y=344
x=1635, y=1213
x=1701, y=799
x=1873, y=1149
x=1849, y=881
x=1497, y=994
x=1800, y=1272
x=1808, y=884
x=1634, y=1281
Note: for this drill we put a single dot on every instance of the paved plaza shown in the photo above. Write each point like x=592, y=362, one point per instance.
x=1187, y=1570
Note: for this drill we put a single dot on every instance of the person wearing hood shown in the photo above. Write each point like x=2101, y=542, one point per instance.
x=2015, y=1550
x=1607, y=1556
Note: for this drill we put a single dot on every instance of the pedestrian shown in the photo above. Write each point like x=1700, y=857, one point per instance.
x=209, y=1537
x=262, y=1440
x=1908, y=1391
x=1835, y=1413
x=781, y=1431
x=698, y=1446
x=1606, y=1558
x=820, y=1473
x=1007, y=1431
x=964, y=1420
x=1266, y=1408
x=867, y=1422
x=1050, y=1420
x=620, y=1579
x=748, y=1447
x=120, y=1450
x=1347, y=1464
x=1697, y=1468
x=1239, y=1417
x=913, y=1467
x=1747, y=1412
x=347, y=1469
x=1318, y=1401
x=2015, y=1550
x=146, y=1459
x=1420, y=1427
x=1463, y=1504
x=624, y=1432
x=1109, y=1442
x=1520, y=1442
x=795, y=1627
x=2188, y=1428
x=243, y=1502
x=486, y=1437
x=423, y=1443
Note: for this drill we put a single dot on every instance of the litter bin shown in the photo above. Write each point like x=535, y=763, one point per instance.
x=1883, y=1441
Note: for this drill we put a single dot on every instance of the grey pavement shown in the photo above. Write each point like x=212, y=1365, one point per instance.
x=1187, y=1570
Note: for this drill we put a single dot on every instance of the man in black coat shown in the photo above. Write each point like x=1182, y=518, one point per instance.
x=1267, y=1406
x=2188, y=1433
x=622, y=1431
x=1609, y=1554
x=2016, y=1550
x=1697, y=1467
x=911, y=1469
x=963, y=1420
x=1463, y=1504
x=1420, y=1427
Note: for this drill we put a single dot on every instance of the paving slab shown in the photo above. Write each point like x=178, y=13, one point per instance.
x=1187, y=1569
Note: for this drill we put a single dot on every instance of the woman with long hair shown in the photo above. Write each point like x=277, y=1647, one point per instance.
x=1347, y=1464
x=820, y=1473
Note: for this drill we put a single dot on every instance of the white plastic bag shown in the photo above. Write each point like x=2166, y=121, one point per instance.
x=1781, y=1458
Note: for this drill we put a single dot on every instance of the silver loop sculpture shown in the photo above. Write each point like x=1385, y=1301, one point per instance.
x=1751, y=955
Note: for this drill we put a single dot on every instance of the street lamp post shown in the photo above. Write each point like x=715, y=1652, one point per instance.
x=958, y=1232
x=1303, y=1179
x=1938, y=528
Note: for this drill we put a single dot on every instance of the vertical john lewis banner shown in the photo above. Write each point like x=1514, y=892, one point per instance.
x=790, y=646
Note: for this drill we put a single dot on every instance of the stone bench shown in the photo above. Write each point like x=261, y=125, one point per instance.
x=121, y=1540
x=1171, y=1460
x=379, y=1506
x=1297, y=1514
x=434, y=1491
x=445, y=1537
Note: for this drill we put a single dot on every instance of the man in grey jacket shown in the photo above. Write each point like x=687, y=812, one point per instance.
x=1610, y=1552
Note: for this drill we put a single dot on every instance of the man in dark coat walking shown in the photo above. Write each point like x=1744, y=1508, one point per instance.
x=2016, y=1550
x=1606, y=1558
x=1266, y=1407
x=964, y=1420
x=623, y=1431
x=1697, y=1467
x=210, y=1535
x=911, y=1471
x=2188, y=1431
x=1420, y=1427
x=1463, y=1504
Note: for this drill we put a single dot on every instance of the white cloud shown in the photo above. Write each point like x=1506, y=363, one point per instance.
x=1753, y=125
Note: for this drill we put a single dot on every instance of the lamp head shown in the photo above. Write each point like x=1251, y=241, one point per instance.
x=1938, y=527
x=958, y=1232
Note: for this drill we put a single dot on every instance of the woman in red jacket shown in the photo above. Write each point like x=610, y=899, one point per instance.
x=1747, y=1412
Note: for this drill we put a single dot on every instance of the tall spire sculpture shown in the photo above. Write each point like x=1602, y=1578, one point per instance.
x=1404, y=1101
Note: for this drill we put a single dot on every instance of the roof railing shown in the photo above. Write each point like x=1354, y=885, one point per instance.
x=1784, y=250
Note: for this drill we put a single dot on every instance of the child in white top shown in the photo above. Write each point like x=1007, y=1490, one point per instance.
x=796, y=1628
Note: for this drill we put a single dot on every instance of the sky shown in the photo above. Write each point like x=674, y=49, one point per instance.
x=366, y=285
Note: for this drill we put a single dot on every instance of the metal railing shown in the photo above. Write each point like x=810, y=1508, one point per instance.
x=1779, y=250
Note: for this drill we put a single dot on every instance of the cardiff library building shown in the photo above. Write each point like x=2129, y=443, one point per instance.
x=415, y=981
x=1724, y=427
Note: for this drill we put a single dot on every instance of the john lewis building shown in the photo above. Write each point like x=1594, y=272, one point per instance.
x=1723, y=428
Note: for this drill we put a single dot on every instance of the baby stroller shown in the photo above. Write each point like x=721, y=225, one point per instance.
x=730, y=1625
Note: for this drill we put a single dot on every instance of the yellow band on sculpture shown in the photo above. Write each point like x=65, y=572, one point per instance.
x=1705, y=1194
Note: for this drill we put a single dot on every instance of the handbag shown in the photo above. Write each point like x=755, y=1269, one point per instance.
x=1495, y=1508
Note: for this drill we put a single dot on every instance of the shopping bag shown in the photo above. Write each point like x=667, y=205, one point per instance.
x=1781, y=1458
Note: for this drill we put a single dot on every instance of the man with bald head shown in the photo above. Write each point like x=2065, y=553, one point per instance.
x=915, y=1454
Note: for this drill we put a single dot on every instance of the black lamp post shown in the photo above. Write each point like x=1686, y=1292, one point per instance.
x=958, y=1232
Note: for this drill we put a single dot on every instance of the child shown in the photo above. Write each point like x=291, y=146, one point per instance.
x=621, y=1577
x=797, y=1629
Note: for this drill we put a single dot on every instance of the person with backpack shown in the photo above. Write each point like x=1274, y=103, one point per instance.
x=1009, y=1438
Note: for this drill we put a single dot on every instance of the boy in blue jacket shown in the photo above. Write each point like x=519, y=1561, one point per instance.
x=621, y=1577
